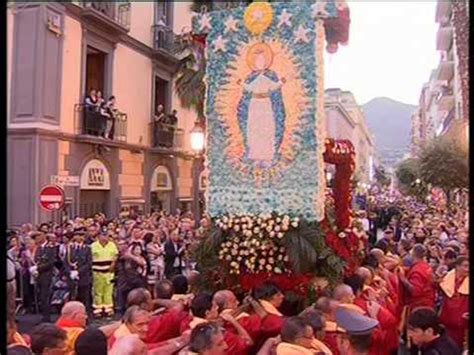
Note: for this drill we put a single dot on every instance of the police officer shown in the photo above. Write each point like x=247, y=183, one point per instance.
x=79, y=263
x=46, y=257
x=359, y=329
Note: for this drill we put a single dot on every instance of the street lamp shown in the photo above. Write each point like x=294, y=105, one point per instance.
x=418, y=181
x=197, y=136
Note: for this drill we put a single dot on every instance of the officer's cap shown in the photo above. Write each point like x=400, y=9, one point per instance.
x=354, y=323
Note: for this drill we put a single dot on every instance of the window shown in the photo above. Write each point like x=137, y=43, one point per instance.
x=161, y=94
x=95, y=70
x=163, y=12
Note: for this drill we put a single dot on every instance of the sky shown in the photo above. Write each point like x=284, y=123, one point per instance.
x=391, y=51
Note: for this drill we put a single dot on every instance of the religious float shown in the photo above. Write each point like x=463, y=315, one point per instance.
x=272, y=217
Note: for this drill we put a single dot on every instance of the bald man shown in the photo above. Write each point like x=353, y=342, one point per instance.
x=332, y=333
x=73, y=321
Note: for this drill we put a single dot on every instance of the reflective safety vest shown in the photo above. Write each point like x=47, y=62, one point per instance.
x=103, y=256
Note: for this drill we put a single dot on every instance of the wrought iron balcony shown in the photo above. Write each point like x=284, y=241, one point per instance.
x=163, y=37
x=90, y=123
x=112, y=14
x=166, y=136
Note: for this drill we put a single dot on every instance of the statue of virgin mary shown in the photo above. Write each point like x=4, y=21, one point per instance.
x=261, y=111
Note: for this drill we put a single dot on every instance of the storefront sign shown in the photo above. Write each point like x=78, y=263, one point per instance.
x=161, y=180
x=65, y=180
x=95, y=176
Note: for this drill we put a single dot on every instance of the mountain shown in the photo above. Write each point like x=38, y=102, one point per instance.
x=390, y=122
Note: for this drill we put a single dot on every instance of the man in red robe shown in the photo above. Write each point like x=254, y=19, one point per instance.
x=166, y=325
x=387, y=321
x=455, y=288
x=418, y=282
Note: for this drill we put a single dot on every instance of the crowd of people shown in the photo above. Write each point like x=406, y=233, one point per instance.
x=410, y=292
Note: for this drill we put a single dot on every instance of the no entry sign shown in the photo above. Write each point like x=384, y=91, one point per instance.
x=52, y=198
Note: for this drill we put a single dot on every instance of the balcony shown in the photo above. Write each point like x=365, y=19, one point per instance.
x=443, y=11
x=163, y=37
x=110, y=16
x=165, y=136
x=94, y=127
x=444, y=38
x=445, y=99
x=445, y=70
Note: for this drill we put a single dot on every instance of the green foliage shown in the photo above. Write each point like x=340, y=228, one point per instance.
x=407, y=172
x=445, y=165
x=382, y=177
x=305, y=246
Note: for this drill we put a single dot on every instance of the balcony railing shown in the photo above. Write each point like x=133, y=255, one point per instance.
x=90, y=122
x=163, y=37
x=166, y=136
x=117, y=12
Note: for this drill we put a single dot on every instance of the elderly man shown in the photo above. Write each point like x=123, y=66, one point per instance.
x=135, y=321
x=73, y=321
x=129, y=345
x=332, y=332
x=207, y=339
x=297, y=337
x=167, y=324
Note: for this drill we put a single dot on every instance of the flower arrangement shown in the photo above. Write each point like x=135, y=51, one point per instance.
x=254, y=244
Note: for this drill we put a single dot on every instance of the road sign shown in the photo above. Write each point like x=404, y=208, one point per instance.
x=52, y=198
x=65, y=180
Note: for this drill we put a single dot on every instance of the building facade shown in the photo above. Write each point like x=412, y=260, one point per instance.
x=345, y=120
x=57, y=53
x=440, y=105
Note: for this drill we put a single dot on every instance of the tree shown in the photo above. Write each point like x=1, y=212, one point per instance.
x=407, y=173
x=381, y=176
x=445, y=165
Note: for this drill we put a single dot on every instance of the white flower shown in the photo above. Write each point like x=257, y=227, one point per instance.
x=236, y=228
x=228, y=244
x=271, y=253
x=277, y=228
x=269, y=267
x=259, y=220
x=260, y=267
x=277, y=270
x=296, y=219
x=264, y=246
x=252, y=251
x=286, y=217
x=257, y=243
x=225, y=219
x=228, y=258
x=225, y=250
x=272, y=234
x=269, y=229
x=234, y=264
x=239, y=258
x=256, y=230
x=264, y=253
x=280, y=235
x=284, y=227
x=294, y=224
x=282, y=249
x=235, y=246
x=342, y=235
x=242, y=252
x=237, y=272
x=278, y=220
x=262, y=261
x=221, y=257
x=271, y=260
x=280, y=257
x=234, y=252
x=246, y=253
x=224, y=227
x=252, y=259
x=263, y=225
x=285, y=259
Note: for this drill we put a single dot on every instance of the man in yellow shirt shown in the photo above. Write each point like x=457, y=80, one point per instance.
x=104, y=256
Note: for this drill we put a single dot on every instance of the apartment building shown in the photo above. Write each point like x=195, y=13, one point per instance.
x=345, y=120
x=57, y=53
x=440, y=105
